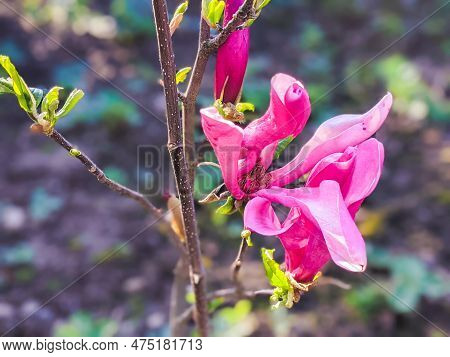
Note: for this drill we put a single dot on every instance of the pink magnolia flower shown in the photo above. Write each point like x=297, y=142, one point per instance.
x=232, y=58
x=320, y=224
x=344, y=166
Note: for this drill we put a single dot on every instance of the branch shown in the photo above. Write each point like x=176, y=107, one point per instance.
x=232, y=294
x=177, y=155
x=201, y=60
x=190, y=97
x=103, y=179
x=244, y=13
x=206, y=48
x=236, y=266
x=227, y=294
x=116, y=187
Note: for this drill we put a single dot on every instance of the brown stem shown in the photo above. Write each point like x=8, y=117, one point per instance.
x=103, y=179
x=244, y=13
x=178, y=298
x=190, y=97
x=177, y=155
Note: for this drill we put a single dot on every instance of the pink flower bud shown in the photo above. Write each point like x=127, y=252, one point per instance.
x=232, y=58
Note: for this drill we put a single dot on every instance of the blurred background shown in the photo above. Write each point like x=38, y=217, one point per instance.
x=57, y=222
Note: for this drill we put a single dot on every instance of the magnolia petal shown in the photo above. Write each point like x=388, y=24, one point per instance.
x=267, y=154
x=306, y=251
x=260, y=217
x=335, y=135
x=226, y=140
x=324, y=206
x=366, y=174
x=287, y=114
x=357, y=171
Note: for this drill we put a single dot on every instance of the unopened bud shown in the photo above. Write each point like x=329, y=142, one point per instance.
x=36, y=128
x=246, y=234
x=178, y=17
x=74, y=152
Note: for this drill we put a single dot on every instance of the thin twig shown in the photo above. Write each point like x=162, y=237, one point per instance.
x=178, y=158
x=228, y=295
x=102, y=178
x=232, y=294
x=326, y=280
x=208, y=163
x=117, y=187
x=236, y=266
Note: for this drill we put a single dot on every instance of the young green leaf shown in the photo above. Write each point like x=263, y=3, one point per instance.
x=50, y=103
x=178, y=16
x=6, y=86
x=25, y=98
x=182, y=74
x=260, y=4
x=277, y=278
x=282, y=145
x=216, y=13
x=38, y=94
x=72, y=100
x=182, y=8
x=228, y=207
x=212, y=11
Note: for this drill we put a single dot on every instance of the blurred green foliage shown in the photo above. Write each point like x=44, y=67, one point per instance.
x=117, y=174
x=17, y=254
x=234, y=321
x=43, y=204
x=409, y=279
x=207, y=179
x=83, y=324
x=133, y=17
x=116, y=252
x=108, y=107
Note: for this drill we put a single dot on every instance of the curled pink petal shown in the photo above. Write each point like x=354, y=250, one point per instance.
x=357, y=171
x=260, y=217
x=287, y=114
x=267, y=154
x=232, y=59
x=226, y=139
x=335, y=135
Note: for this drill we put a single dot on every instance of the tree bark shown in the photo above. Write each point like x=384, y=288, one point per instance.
x=180, y=167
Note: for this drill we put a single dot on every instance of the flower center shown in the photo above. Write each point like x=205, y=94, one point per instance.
x=255, y=180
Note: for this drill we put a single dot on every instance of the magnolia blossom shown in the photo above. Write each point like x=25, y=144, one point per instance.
x=320, y=224
x=344, y=166
x=232, y=58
